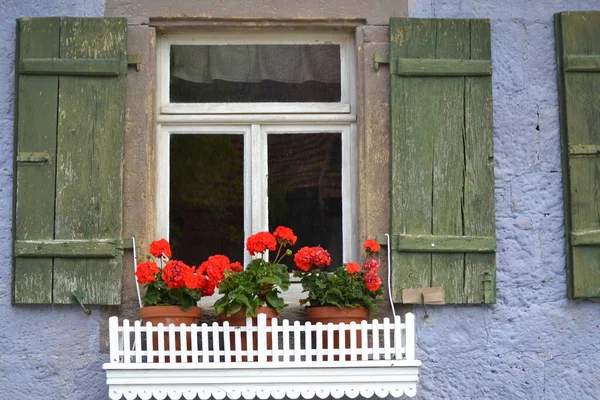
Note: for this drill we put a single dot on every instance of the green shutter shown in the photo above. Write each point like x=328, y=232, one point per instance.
x=442, y=219
x=578, y=58
x=69, y=123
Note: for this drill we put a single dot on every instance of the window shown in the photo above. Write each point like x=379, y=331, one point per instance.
x=256, y=130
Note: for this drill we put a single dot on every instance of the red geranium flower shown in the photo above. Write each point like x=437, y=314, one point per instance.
x=308, y=257
x=372, y=265
x=146, y=272
x=372, y=281
x=174, y=274
x=371, y=246
x=160, y=247
x=285, y=236
x=193, y=280
x=303, y=259
x=353, y=268
x=261, y=242
x=236, y=267
x=321, y=257
x=215, y=267
x=209, y=287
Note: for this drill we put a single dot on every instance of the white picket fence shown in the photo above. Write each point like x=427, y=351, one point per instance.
x=277, y=360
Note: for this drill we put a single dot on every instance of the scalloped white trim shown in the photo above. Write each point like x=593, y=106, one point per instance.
x=262, y=383
x=175, y=393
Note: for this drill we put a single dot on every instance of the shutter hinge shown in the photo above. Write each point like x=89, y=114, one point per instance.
x=135, y=60
x=380, y=58
x=124, y=244
x=487, y=287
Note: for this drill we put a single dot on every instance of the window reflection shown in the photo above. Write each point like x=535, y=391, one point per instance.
x=206, y=212
x=305, y=189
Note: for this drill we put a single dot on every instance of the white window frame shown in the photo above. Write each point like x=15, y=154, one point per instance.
x=256, y=200
x=347, y=72
x=255, y=121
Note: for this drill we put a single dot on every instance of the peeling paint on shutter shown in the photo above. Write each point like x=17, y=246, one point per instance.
x=578, y=62
x=443, y=228
x=70, y=123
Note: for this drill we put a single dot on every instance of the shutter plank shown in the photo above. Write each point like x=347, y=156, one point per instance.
x=578, y=47
x=89, y=175
x=411, y=141
x=479, y=205
x=35, y=133
x=452, y=41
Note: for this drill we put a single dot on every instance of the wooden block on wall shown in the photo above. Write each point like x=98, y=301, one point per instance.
x=428, y=295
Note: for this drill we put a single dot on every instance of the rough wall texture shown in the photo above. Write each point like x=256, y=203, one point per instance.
x=534, y=343
x=45, y=352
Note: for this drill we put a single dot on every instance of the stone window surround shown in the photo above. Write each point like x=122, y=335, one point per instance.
x=140, y=154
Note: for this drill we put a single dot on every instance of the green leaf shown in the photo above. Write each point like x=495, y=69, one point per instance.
x=334, y=300
x=271, y=280
x=220, y=306
x=233, y=308
x=275, y=301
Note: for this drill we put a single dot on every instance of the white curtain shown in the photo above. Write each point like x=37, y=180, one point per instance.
x=255, y=63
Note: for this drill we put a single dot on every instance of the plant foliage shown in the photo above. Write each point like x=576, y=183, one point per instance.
x=262, y=282
x=350, y=285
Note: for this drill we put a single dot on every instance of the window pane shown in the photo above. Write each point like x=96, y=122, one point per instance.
x=206, y=197
x=305, y=189
x=255, y=73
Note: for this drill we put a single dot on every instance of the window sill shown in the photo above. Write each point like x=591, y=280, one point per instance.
x=367, y=367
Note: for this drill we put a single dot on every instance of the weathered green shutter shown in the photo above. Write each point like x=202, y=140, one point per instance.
x=578, y=57
x=442, y=158
x=69, y=123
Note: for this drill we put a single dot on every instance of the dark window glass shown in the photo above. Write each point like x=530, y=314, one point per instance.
x=254, y=73
x=305, y=189
x=206, y=212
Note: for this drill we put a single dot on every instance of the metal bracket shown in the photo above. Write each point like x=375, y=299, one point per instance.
x=380, y=58
x=125, y=244
x=135, y=60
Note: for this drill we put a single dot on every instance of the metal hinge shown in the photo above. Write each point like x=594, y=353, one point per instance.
x=380, y=58
x=135, y=60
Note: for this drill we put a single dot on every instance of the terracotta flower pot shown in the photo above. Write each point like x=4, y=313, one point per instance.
x=170, y=315
x=239, y=319
x=327, y=314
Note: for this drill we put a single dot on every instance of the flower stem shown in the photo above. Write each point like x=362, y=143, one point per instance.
x=277, y=259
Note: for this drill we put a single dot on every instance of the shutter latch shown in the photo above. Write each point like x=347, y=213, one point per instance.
x=487, y=287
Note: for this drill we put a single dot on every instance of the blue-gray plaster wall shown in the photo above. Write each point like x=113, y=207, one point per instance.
x=45, y=352
x=533, y=343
